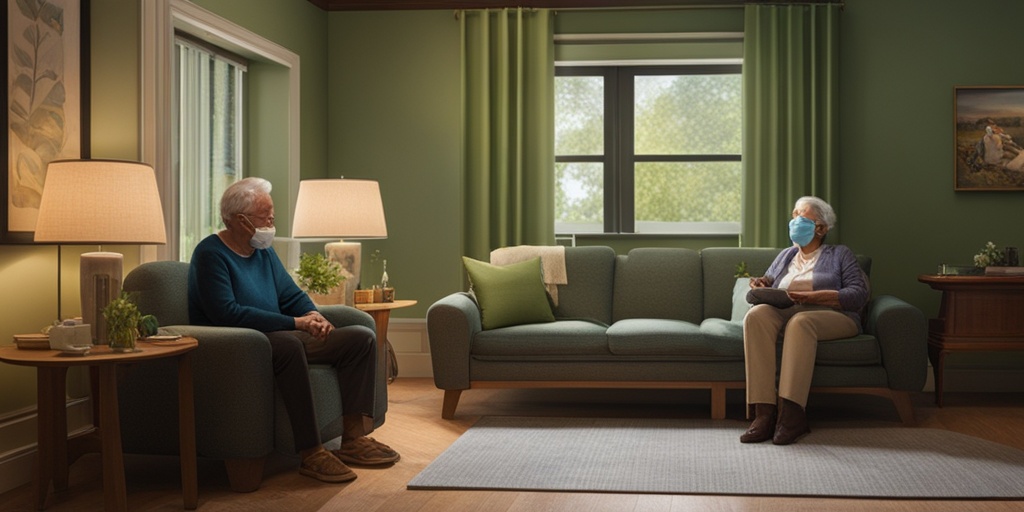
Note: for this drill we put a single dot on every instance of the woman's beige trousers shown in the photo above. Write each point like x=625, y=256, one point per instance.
x=804, y=327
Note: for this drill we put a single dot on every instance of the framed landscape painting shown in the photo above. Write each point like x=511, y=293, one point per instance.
x=46, y=88
x=989, y=138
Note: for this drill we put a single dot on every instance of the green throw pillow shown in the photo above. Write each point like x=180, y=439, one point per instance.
x=510, y=294
x=740, y=306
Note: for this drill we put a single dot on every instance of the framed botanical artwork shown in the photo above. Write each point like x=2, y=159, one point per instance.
x=989, y=138
x=47, y=108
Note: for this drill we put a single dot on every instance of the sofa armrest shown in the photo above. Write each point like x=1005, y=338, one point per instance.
x=452, y=322
x=340, y=315
x=902, y=333
x=234, y=396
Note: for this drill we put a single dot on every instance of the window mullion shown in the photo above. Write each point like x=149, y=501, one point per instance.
x=612, y=208
x=625, y=150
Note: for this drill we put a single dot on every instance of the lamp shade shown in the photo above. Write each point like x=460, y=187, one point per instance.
x=100, y=202
x=340, y=208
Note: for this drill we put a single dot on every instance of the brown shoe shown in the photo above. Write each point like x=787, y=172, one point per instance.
x=763, y=425
x=365, y=451
x=792, y=423
x=325, y=467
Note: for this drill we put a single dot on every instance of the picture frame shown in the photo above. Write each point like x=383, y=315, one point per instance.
x=46, y=114
x=988, y=132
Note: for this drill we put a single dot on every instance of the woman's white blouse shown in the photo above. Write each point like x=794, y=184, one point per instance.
x=801, y=272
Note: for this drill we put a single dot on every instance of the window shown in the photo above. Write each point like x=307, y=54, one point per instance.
x=208, y=136
x=648, y=149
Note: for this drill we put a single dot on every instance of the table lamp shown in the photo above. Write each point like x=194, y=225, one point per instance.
x=100, y=202
x=340, y=209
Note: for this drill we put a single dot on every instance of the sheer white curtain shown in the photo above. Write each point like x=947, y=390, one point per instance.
x=208, y=150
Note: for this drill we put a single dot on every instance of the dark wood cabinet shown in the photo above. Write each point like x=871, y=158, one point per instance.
x=977, y=313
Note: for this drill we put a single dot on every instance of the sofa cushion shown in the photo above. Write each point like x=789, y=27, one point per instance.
x=860, y=350
x=719, y=269
x=590, y=272
x=660, y=337
x=509, y=295
x=718, y=330
x=740, y=306
x=658, y=282
x=562, y=337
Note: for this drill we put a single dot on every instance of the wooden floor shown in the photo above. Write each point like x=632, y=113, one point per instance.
x=415, y=429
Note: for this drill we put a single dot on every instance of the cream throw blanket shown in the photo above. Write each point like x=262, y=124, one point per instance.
x=552, y=261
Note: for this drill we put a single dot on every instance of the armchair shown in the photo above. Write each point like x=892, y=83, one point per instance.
x=240, y=416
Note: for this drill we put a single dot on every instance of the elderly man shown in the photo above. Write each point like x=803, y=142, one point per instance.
x=236, y=279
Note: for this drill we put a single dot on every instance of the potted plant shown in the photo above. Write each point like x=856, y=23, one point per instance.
x=318, y=275
x=123, y=320
x=989, y=256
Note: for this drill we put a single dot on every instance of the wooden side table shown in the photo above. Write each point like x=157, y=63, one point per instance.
x=977, y=313
x=381, y=313
x=51, y=373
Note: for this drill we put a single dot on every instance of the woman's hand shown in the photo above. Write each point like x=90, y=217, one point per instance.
x=759, y=282
x=828, y=298
x=315, y=324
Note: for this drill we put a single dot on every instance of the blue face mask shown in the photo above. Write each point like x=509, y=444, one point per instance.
x=801, y=231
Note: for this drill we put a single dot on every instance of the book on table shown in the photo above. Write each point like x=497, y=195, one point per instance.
x=1004, y=271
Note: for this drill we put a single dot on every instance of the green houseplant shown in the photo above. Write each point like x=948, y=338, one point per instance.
x=318, y=274
x=123, y=320
x=990, y=255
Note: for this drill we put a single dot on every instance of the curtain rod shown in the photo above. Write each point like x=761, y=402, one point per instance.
x=683, y=7
x=841, y=4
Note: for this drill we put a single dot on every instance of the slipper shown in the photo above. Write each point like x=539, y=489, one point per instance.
x=365, y=451
x=326, y=467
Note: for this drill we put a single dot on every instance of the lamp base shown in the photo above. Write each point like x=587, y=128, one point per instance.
x=100, y=284
x=349, y=256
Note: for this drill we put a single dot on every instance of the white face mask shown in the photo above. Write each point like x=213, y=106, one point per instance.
x=263, y=237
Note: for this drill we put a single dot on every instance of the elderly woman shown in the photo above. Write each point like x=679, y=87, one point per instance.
x=828, y=291
x=236, y=279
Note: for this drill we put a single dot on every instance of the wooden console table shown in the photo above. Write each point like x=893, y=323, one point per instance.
x=977, y=313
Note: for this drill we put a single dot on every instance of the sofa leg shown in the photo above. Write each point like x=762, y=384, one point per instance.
x=904, y=407
x=245, y=475
x=451, y=401
x=717, y=401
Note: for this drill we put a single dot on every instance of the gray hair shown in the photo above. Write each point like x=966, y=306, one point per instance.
x=824, y=211
x=241, y=195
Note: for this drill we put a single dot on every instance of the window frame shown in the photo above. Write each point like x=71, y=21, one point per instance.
x=619, y=156
x=159, y=20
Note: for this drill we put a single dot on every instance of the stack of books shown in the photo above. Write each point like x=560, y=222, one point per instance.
x=1004, y=271
x=37, y=341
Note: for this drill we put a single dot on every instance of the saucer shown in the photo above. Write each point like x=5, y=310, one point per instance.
x=76, y=350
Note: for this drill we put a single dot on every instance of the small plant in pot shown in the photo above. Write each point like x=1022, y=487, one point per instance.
x=317, y=274
x=123, y=319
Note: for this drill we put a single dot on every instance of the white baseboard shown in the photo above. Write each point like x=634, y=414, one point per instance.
x=412, y=347
x=18, y=431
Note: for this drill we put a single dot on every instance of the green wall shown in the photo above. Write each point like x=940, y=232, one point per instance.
x=900, y=61
x=395, y=116
x=301, y=27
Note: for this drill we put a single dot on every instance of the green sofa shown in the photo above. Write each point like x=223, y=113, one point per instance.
x=662, y=318
x=240, y=416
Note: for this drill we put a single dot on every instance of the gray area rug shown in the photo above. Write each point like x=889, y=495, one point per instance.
x=705, y=457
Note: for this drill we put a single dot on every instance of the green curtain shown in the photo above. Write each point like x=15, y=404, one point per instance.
x=790, y=119
x=508, y=79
